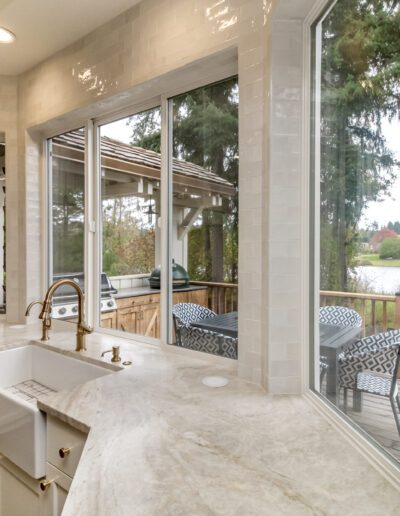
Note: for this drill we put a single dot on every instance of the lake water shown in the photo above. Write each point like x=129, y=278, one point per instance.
x=381, y=279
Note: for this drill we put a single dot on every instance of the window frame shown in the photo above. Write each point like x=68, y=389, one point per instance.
x=92, y=223
x=358, y=436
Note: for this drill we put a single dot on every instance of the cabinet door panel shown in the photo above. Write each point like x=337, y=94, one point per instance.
x=59, y=488
x=20, y=494
x=128, y=319
x=109, y=320
x=150, y=320
x=60, y=497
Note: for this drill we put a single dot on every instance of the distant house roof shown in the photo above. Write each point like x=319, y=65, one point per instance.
x=122, y=157
x=379, y=236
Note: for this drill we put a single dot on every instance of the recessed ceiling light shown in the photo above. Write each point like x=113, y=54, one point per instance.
x=6, y=36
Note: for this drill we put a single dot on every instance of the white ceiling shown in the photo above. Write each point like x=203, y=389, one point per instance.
x=43, y=27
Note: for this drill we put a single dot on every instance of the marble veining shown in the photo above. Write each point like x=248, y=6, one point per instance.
x=161, y=442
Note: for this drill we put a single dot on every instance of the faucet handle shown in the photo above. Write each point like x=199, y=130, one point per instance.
x=86, y=328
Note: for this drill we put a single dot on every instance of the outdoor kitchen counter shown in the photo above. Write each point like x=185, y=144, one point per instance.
x=145, y=291
x=162, y=443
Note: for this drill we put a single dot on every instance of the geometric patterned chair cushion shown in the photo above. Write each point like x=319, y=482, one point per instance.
x=229, y=347
x=383, y=385
x=187, y=313
x=374, y=384
x=200, y=339
x=340, y=316
x=376, y=353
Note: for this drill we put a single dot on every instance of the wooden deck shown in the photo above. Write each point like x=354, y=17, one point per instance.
x=376, y=418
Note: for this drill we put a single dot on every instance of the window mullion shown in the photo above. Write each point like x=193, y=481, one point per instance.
x=166, y=211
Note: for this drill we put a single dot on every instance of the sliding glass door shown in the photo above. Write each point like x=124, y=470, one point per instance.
x=205, y=218
x=130, y=165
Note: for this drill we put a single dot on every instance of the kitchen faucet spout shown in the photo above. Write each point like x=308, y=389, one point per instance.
x=82, y=327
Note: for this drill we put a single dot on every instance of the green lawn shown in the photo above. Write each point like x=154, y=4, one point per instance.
x=373, y=259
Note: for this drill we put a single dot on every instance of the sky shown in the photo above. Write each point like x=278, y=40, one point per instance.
x=118, y=131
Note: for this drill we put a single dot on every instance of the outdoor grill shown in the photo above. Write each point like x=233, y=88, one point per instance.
x=65, y=300
x=180, y=278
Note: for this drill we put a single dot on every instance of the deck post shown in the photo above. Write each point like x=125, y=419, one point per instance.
x=397, y=311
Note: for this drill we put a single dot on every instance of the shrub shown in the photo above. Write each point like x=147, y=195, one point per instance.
x=390, y=248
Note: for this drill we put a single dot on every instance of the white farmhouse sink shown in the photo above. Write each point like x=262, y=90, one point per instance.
x=27, y=374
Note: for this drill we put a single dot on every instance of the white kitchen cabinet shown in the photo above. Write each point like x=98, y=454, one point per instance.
x=64, y=445
x=59, y=488
x=20, y=494
x=64, y=449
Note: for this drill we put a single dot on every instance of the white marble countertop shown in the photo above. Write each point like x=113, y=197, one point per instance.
x=162, y=443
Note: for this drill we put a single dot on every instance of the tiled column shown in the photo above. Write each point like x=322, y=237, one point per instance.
x=286, y=209
x=8, y=125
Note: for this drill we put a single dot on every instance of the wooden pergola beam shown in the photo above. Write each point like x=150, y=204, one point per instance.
x=188, y=221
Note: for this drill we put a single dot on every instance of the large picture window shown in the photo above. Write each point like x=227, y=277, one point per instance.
x=125, y=236
x=357, y=183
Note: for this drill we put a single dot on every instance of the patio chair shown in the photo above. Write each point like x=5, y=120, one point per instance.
x=340, y=316
x=323, y=368
x=371, y=365
x=200, y=339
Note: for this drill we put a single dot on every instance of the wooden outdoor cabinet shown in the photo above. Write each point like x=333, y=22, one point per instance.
x=128, y=319
x=141, y=314
x=109, y=320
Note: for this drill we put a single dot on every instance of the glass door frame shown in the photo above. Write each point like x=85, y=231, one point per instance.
x=315, y=193
x=47, y=150
x=93, y=231
x=183, y=82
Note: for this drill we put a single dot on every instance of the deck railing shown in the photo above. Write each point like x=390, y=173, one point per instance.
x=379, y=312
x=222, y=297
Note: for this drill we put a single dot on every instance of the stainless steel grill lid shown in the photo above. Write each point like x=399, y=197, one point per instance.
x=180, y=278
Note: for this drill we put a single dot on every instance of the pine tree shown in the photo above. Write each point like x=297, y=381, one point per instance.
x=360, y=72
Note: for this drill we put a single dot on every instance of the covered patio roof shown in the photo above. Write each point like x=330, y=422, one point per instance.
x=125, y=165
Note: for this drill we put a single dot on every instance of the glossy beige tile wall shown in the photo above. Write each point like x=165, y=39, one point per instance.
x=15, y=220
x=152, y=39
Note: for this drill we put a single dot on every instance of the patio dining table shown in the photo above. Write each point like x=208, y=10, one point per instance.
x=226, y=324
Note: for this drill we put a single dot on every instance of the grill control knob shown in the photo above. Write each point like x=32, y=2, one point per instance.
x=110, y=303
x=62, y=310
x=74, y=309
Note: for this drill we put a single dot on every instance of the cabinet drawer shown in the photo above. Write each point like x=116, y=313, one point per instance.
x=137, y=300
x=61, y=436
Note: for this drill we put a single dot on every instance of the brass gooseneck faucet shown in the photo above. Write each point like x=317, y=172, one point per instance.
x=82, y=327
x=46, y=323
